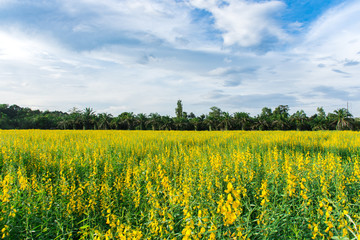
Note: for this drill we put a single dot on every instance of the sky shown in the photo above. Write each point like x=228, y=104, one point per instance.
x=142, y=56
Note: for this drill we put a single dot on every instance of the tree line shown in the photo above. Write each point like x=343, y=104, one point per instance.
x=15, y=117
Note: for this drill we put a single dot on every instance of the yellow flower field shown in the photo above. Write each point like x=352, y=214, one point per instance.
x=179, y=185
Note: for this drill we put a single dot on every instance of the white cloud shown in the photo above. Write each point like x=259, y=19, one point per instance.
x=320, y=70
x=83, y=28
x=146, y=19
x=219, y=71
x=244, y=23
x=14, y=47
x=321, y=61
x=43, y=74
x=323, y=57
x=38, y=70
x=31, y=48
x=336, y=34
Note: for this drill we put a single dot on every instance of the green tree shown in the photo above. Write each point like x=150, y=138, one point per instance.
x=181, y=119
x=154, y=120
x=319, y=121
x=63, y=123
x=88, y=118
x=213, y=119
x=43, y=121
x=299, y=119
x=4, y=121
x=281, y=117
x=195, y=122
x=166, y=122
x=179, y=109
x=210, y=122
x=116, y=122
x=357, y=124
x=242, y=119
x=180, y=123
x=141, y=120
x=104, y=120
x=225, y=120
x=264, y=120
x=343, y=119
x=74, y=119
x=128, y=118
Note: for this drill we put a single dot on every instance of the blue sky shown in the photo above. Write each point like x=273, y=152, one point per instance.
x=142, y=56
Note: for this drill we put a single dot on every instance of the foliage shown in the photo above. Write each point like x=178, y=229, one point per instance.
x=179, y=109
x=15, y=117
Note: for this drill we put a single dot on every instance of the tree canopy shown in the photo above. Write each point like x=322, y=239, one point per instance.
x=16, y=117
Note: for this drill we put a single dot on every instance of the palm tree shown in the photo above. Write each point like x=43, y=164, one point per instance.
x=128, y=118
x=141, y=119
x=154, y=120
x=74, y=118
x=343, y=119
x=62, y=124
x=299, y=118
x=281, y=117
x=116, y=122
x=104, y=120
x=88, y=118
x=195, y=122
x=225, y=120
x=213, y=119
x=263, y=121
x=166, y=122
x=210, y=121
x=242, y=119
x=180, y=123
x=319, y=121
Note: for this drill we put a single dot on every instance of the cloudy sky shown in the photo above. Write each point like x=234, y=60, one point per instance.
x=144, y=55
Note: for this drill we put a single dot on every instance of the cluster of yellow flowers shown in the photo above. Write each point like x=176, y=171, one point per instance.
x=179, y=185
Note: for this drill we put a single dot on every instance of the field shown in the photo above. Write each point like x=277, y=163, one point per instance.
x=179, y=185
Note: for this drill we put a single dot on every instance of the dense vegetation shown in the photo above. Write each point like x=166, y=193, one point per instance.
x=15, y=117
x=179, y=185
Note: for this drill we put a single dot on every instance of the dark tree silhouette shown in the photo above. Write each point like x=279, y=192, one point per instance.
x=15, y=117
x=242, y=119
